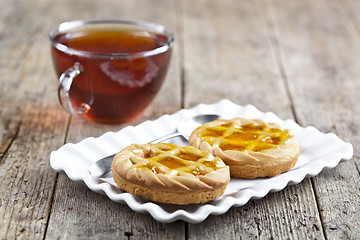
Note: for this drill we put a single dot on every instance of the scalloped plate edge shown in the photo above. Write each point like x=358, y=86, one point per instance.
x=205, y=209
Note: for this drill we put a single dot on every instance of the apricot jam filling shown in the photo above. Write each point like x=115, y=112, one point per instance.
x=253, y=137
x=172, y=159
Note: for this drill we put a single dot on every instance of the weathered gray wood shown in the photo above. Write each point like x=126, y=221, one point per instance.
x=14, y=46
x=228, y=54
x=35, y=123
x=319, y=46
x=284, y=215
x=233, y=56
x=32, y=125
x=115, y=220
x=299, y=59
x=82, y=214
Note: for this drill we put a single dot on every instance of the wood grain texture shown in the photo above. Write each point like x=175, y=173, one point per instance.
x=15, y=44
x=235, y=53
x=33, y=124
x=266, y=218
x=318, y=47
x=115, y=220
x=228, y=54
x=79, y=213
x=298, y=59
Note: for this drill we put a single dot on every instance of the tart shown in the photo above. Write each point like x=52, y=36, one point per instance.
x=169, y=173
x=251, y=148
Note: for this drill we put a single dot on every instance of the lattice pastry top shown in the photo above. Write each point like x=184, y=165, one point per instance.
x=241, y=141
x=170, y=167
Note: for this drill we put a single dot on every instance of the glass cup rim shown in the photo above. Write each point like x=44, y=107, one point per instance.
x=66, y=26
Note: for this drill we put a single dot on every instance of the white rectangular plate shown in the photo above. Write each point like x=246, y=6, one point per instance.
x=319, y=151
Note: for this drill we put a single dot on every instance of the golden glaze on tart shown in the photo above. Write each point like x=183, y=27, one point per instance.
x=251, y=148
x=169, y=173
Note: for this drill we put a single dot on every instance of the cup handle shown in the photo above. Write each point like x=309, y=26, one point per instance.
x=65, y=82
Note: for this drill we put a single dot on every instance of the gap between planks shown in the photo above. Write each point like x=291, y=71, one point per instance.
x=269, y=23
x=53, y=190
x=4, y=148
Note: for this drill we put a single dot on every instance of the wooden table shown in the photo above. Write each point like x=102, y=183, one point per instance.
x=298, y=59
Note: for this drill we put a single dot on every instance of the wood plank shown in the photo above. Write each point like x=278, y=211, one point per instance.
x=288, y=214
x=231, y=56
x=74, y=204
x=300, y=56
x=235, y=52
x=33, y=124
x=320, y=46
x=14, y=47
x=82, y=214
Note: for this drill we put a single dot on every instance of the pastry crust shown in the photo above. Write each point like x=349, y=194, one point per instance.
x=250, y=147
x=169, y=173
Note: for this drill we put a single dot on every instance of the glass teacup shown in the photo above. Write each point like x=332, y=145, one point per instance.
x=110, y=71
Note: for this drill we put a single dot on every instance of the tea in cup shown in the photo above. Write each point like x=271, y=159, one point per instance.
x=109, y=71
